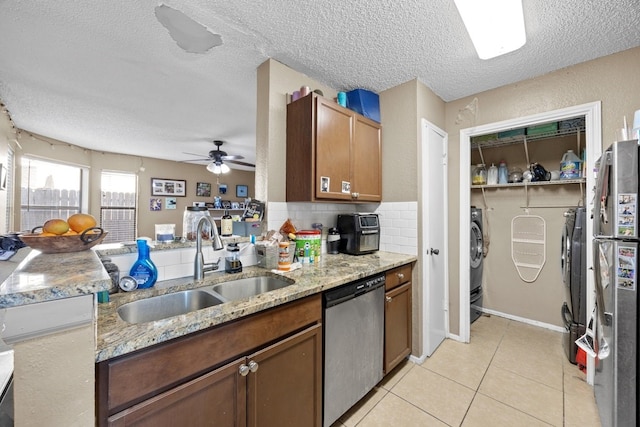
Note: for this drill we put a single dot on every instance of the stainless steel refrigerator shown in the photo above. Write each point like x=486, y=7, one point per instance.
x=616, y=253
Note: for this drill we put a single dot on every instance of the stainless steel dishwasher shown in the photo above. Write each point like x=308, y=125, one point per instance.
x=353, y=344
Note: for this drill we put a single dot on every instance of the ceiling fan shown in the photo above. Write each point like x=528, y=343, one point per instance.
x=217, y=160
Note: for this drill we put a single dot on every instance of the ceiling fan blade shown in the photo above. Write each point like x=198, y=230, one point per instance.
x=193, y=154
x=237, y=162
x=201, y=159
x=236, y=157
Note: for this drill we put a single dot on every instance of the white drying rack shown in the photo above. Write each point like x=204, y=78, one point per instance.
x=528, y=245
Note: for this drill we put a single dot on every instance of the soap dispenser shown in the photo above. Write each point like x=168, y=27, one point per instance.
x=232, y=262
x=144, y=270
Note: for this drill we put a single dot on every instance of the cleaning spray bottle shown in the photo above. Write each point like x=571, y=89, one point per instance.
x=144, y=270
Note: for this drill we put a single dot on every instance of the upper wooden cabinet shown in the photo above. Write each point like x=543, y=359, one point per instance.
x=333, y=154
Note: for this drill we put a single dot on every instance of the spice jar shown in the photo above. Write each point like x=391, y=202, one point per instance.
x=284, y=258
x=192, y=215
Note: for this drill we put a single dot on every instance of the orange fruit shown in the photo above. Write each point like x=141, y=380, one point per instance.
x=45, y=234
x=80, y=222
x=71, y=233
x=56, y=226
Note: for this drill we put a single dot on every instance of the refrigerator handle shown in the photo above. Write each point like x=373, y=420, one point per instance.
x=566, y=314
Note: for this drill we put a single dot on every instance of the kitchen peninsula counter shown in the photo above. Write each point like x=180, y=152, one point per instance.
x=48, y=277
x=116, y=337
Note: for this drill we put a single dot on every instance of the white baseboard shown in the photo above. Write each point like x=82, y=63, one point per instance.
x=523, y=320
x=454, y=337
x=418, y=360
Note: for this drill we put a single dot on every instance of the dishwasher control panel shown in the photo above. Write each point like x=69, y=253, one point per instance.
x=352, y=290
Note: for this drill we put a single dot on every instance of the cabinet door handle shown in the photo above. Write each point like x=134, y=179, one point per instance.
x=253, y=366
x=244, y=370
x=389, y=299
x=400, y=276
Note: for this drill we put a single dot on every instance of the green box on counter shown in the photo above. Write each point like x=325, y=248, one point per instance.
x=247, y=228
x=542, y=129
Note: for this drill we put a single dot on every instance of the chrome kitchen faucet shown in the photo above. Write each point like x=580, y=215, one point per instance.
x=199, y=266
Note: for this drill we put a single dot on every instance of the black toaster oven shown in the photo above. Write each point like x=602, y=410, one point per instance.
x=359, y=233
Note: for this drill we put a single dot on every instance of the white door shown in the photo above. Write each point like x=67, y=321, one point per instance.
x=434, y=229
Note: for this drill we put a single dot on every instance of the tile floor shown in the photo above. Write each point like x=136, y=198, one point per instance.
x=511, y=374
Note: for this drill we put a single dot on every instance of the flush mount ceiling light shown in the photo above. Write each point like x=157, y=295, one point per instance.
x=218, y=168
x=496, y=27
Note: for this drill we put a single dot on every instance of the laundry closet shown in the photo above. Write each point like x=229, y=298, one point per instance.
x=522, y=219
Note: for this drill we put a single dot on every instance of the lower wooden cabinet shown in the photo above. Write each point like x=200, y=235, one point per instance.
x=217, y=397
x=275, y=381
x=397, y=321
x=286, y=390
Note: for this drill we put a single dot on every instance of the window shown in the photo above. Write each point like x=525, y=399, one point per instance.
x=118, y=205
x=49, y=190
x=9, y=191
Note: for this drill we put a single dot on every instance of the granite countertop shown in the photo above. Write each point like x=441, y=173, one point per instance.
x=47, y=277
x=32, y=277
x=116, y=337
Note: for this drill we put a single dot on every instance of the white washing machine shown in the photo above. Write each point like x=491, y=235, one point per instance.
x=477, y=243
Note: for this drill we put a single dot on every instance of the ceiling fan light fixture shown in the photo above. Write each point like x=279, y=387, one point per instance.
x=218, y=168
x=213, y=168
x=496, y=27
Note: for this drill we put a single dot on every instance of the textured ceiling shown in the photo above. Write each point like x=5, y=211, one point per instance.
x=110, y=76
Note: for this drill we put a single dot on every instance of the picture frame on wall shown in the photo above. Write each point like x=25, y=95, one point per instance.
x=242, y=191
x=203, y=189
x=168, y=187
x=155, y=204
x=170, y=203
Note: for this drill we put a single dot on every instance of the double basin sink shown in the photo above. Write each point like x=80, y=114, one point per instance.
x=183, y=302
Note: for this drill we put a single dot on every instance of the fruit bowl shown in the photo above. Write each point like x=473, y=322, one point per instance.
x=64, y=243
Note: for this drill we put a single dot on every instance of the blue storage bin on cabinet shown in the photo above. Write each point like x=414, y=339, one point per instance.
x=364, y=102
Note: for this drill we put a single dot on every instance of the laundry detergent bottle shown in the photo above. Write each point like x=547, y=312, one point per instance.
x=144, y=270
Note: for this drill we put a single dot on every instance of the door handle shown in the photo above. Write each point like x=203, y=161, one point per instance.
x=434, y=251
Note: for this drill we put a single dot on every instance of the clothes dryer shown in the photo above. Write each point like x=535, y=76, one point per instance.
x=476, y=261
x=574, y=264
x=477, y=243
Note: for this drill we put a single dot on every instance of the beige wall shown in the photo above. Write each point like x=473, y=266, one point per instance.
x=153, y=168
x=54, y=379
x=402, y=108
x=612, y=80
x=275, y=81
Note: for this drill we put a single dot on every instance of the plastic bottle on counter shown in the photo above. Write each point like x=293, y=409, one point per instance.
x=503, y=173
x=226, y=224
x=492, y=175
x=144, y=270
